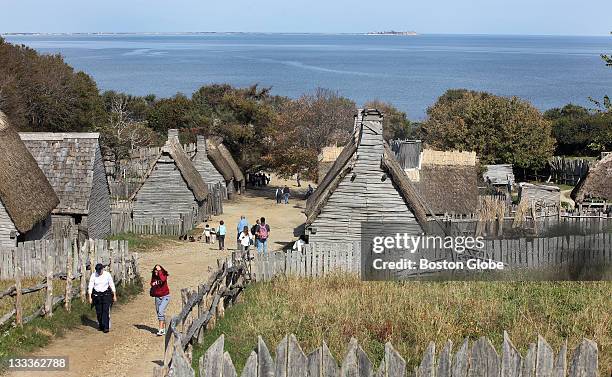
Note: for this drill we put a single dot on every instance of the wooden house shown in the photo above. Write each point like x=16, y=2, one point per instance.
x=596, y=187
x=542, y=195
x=500, y=176
x=326, y=160
x=365, y=184
x=26, y=197
x=226, y=165
x=73, y=164
x=207, y=170
x=172, y=186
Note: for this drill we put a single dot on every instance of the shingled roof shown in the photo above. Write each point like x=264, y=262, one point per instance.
x=192, y=177
x=25, y=192
x=67, y=159
x=598, y=182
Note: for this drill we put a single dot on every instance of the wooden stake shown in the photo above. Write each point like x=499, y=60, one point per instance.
x=50, y=262
x=18, y=305
x=69, y=267
x=83, y=260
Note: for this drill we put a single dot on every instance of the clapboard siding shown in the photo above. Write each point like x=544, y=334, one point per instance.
x=370, y=197
x=164, y=193
x=6, y=227
x=99, y=217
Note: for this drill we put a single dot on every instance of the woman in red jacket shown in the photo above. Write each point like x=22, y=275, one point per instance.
x=161, y=292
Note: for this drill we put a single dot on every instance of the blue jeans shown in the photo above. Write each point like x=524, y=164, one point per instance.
x=286, y=198
x=262, y=246
x=160, y=307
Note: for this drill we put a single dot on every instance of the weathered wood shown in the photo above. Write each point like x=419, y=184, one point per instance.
x=265, y=364
x=584, y=361
x=512, y=362
x=461, y=360
x=427, y=366
x=444, y=368
x=290, y=360
x=228, y=366
x=69, y=270
x=18, y=300
x=83, y=261
x=49, y=292
x=356, y=362
x=544, y=359
x=529, y=362
x=483, y=359
x=560, y=368
x=181, y=365
x=251, y=366
x=321, y=363
x=213, y=359
x=393, y=364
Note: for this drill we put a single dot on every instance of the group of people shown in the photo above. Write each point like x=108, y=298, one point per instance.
x=259, y=179
x=102, y=294
x=256, y=236
x=282, y=194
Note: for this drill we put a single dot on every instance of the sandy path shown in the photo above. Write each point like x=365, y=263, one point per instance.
x=131, y=349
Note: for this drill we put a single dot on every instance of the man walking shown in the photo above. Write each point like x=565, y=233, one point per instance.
x=254, y=231
x=286, y=194
x=263, y=232
x=279, y=195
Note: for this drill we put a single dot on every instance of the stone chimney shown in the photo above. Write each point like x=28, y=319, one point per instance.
x=201, y=144
x=173, y=133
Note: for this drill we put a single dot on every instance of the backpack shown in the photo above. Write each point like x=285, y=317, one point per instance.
x=263, y=232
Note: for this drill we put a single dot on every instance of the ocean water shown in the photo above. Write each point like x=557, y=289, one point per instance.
x=407, y=71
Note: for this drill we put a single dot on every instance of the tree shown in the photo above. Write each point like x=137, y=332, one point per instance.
x=579, y=131
x=395, y=122
x=499, y=129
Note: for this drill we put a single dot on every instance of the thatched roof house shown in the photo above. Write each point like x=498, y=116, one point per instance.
x=172, y=185
x=26, y=197
x=597, y=185
x=222, y=159
x=73, y=164
x=364, y=184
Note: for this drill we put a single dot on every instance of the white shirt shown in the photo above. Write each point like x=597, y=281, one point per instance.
x=101, y=282
x=245, y=239
x=298, y=245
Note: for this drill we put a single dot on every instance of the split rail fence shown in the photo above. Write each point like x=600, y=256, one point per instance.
x=63, y=261
x=525, y=253
x=200, y=310
x=478, y=359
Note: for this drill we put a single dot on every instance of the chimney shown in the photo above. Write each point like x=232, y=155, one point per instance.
x=173, y=133
x=201, y=144
x=370, y=121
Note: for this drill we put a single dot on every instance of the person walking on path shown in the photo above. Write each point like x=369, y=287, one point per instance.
x=286, y=194
x=161, y=292
x=245, y=240
x=254, y=232
x=221, y=235
x=241, y=224
x=263, y=232
x=102, y=294
x=206, y=233
x=279, y=195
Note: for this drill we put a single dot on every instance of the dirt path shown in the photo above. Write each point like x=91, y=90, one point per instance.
x=131, y=348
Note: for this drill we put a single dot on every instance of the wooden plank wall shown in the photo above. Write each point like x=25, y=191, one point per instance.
x=470, y=358
x=32, y=256
x=320, y=259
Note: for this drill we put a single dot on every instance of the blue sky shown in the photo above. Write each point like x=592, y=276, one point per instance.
x=557, y=17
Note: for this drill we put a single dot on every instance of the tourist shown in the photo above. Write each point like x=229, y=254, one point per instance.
x=207, y=233
x=286, y=194
x=245, y=239
x=241, y=224
x=263, y=232
x=102, y=294
x=221, y=235
x=309, y=191
x=279, y=195
x=161, y=292
x=299, y=244
x=254, y=231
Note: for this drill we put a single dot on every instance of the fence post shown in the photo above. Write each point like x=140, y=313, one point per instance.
x=49, y=246
x=18, y=306
x=69, y=267
x=121, y=248
x=83, y=260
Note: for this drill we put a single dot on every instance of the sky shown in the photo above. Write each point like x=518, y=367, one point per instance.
x=550, y=17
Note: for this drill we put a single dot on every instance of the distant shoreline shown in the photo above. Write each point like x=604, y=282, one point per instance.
x=400, y=33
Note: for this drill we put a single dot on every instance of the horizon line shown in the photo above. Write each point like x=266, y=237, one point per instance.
x=23, y=33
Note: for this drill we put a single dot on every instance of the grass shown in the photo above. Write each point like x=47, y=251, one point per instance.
x=143, y=243
x=17, y=341
x=411, y=314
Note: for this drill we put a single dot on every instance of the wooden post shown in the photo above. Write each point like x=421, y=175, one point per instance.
x=83, y=260
x=18, y=305
x=123, y=265
x=49, y=246
x=69, y=267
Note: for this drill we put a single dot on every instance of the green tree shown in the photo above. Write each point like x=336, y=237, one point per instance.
x=499, y=129
x=395, y=122
x=579, y=131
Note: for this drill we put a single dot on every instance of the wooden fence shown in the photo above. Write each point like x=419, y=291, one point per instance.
x=478, y=359
x=77, y=261
x=521, y=253
x=122, y=222
x=200, y=309
x=568, y=171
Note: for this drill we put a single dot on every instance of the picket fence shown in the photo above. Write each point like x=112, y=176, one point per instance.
x=122, y=222
x=65, y=260
x=320, y=259
x=478, y=360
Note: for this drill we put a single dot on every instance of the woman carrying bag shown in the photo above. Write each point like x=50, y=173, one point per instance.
x=161, y=292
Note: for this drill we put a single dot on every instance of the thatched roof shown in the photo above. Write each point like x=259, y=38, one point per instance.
x=330, y=153
x=449, y=188
x=68, y=161
x=204, y=166
x=598, y=182
x=25, y=192
x=343, y=165
x=190, y=174
x=222, y=160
